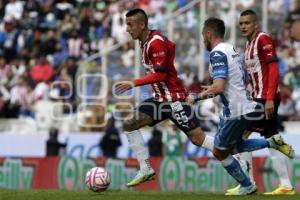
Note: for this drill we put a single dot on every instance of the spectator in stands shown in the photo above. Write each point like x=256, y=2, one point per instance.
x=62, y=86
x=173, y=141
x=28, y=100
x=59, y=56
x=4, y=102
x=62, y=8
x=155, y=143
x=18, y=97
x=195, y=87
x=41, y=91
x=111, y=140
x=17, y=69
x=105, y=42
x=75, y=44
x=4, y=71
x=187, y=76
x=42, y=71
x=287, y=106
x=67, y=24
x=53, y=146
x=48, y=46
x=128, y=55
x=13, y=10
x=11, y=40
x=118, y=29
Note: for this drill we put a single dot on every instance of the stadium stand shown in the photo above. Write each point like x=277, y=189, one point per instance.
x=55, y=36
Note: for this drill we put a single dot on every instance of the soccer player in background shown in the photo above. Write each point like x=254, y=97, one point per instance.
x=239, y=111
x=261, y=64
x=169, y=94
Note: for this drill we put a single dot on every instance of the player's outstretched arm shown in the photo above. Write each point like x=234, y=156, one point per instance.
x=213, y=90
x=156, y=77
x=150, y=78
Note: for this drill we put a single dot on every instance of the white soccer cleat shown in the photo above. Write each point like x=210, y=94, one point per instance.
x=141, y=177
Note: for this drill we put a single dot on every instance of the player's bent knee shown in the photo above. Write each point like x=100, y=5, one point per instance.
x=216, y=154
x=196, y=136
x=194, y=140
x=220, y=154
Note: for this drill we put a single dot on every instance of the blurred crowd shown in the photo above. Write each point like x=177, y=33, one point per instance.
x=43, y=41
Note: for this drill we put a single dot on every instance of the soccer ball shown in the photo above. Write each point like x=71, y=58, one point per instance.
x=97, y=179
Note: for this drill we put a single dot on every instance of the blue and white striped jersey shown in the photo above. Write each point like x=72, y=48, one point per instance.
x=227, y=63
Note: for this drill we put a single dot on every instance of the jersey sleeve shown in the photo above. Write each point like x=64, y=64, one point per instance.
x=158, y=53
x=219, y=65
x=266, y=48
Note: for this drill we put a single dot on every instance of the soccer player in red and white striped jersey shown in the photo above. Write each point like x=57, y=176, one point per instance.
x=169, y=100
x=262, y=66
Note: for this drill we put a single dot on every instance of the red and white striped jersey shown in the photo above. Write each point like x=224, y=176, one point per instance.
x=259, y=53
x=158, y=55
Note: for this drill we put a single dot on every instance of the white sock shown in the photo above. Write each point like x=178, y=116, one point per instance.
x=280, y=166
x=136, y=142
x=208, y=143
x=247, y=156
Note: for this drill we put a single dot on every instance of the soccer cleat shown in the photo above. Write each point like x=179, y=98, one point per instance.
x=245, y=167
x=141, y=177
x=244, y=190
x=233, y=190
x=277, y=142
x=281, y=190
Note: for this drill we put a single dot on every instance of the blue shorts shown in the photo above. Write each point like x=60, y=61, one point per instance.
x=180, y=112
x=231, y=130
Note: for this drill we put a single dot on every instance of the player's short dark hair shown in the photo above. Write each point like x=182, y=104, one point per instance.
x=138, y=11
x=249, y=12
x=293, y=16
x=216, y=25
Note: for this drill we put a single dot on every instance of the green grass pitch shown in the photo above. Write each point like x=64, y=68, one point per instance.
x=6, y=194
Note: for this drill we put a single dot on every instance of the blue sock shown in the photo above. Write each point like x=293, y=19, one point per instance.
x=252, y=145
x=233, y=167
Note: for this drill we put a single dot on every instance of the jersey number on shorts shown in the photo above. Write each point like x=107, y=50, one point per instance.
x=181, y=117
